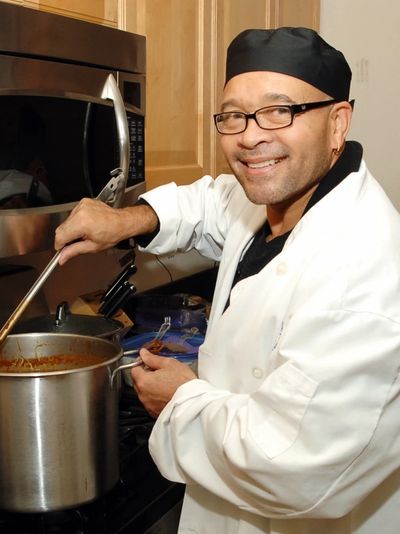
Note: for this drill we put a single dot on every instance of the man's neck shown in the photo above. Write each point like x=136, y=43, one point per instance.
x=282, y=218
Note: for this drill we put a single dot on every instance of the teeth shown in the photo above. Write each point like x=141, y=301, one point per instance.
x=262, y=164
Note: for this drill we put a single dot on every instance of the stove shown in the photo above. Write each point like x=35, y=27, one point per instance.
x=142, y=501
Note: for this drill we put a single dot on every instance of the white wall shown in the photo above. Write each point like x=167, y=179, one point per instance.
x=368, y=34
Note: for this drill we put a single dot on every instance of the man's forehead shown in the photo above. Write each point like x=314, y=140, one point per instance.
x=265, y=85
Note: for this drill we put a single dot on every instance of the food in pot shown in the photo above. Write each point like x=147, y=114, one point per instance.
x=57, y=362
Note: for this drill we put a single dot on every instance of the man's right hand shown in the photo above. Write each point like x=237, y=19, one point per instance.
x=93, y=226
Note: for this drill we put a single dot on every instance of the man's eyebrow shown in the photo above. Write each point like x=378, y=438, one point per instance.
x=268, y=97
x=280, y=97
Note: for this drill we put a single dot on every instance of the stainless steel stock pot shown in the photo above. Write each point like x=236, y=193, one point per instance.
x=58, y=420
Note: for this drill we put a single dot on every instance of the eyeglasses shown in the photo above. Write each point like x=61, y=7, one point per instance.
x=267, y=118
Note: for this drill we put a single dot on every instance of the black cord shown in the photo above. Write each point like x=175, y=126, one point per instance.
x=166, y=268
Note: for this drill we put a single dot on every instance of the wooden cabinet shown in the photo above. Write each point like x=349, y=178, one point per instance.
x=186, y=50
x=179, y=86
x=98, y=11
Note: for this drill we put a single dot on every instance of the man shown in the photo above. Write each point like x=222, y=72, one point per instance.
x=293, y=426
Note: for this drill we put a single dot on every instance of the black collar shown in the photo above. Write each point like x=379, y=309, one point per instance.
x=261, y=252
x=348, y=162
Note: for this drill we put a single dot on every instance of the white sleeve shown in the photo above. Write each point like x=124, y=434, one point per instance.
x=193, y=216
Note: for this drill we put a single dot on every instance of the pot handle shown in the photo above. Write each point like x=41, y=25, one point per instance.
x=136, y=363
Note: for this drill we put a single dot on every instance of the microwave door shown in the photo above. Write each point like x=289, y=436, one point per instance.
x=111, y=92
x=85, y=152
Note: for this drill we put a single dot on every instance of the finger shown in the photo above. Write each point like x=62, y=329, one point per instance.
x=138, y=371
x=152, y=360
x=65, y=235
x=73, y=228
x=75, y=249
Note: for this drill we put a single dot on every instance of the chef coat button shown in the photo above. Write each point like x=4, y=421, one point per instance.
x=281, y=268
x=257, y=373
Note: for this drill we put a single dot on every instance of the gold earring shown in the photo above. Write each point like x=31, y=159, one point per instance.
x=337, y=150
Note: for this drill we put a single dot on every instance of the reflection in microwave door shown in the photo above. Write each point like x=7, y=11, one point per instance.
x=21, y=190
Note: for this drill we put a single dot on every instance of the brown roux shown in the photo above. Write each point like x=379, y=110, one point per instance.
x=57, y=362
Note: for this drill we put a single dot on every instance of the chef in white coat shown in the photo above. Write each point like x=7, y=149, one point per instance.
x=293, y=423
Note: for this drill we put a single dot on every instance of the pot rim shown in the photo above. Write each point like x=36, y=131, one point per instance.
x=46, y=324
x=42, y=374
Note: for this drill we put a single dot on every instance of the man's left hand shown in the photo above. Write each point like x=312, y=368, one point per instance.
x=156, y=382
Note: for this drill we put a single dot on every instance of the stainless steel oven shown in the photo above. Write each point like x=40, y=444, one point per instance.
x=72, y=109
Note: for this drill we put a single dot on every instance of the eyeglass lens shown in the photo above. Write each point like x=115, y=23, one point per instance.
x=270, y=117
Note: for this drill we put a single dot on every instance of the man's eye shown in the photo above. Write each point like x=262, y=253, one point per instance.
x=235, y=115
x=280, y=110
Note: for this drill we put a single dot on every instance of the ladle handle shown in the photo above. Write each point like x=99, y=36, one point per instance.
x=19, y=310
x=107, y=194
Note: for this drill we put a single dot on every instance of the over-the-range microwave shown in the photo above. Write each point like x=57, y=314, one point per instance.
x=72, y=109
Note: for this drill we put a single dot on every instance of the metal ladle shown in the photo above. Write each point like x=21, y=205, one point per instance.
x=107, y=194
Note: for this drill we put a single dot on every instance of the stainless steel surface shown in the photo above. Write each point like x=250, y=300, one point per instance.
x=47, y=55
x=108, y=195
x=125, y=366
x=111, y=192
x=37, y=77
x=73, y=323
x=59, y=445
x=111, y=92
x=166, y=325
x=23, y=231
x=131, y=352
x=86, y=325
x=17, y=226
x=32, y=32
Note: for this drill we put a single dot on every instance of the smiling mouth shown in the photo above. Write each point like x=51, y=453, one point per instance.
x=263, y=164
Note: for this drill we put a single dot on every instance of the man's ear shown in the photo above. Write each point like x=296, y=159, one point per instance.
x=341, y=120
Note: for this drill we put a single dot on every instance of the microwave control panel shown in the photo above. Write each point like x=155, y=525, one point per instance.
x=136, y=159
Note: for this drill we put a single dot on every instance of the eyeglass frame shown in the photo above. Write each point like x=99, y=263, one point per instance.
x=294, y=109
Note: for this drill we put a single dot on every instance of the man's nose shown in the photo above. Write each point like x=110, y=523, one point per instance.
x=253, y=134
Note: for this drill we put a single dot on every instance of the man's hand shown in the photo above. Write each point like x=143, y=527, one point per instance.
x=94, y=226
x=157, y=381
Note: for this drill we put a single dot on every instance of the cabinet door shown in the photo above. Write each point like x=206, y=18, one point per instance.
x=178, y=86
x=234, y=16
x=186, y=51
x=297, y=13
x=98, y=11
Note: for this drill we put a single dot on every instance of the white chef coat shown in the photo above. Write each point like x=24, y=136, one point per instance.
x=293, y=426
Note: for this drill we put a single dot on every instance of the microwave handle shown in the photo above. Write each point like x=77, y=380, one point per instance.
x=111, y=92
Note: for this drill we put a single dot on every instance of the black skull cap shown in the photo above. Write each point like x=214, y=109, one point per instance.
x=297, y=52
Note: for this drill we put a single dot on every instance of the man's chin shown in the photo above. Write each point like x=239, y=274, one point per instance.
x=257, y=197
